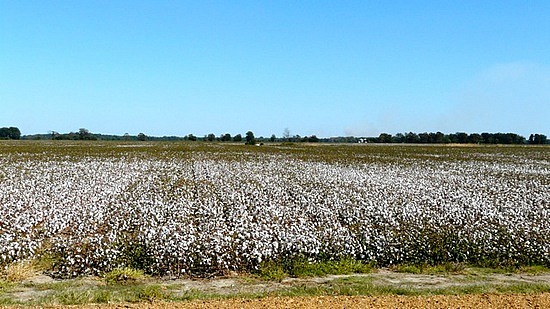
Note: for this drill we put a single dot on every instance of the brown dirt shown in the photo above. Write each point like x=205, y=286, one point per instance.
x=402, y=302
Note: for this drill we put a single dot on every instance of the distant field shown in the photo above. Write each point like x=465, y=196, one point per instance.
x=205, y=209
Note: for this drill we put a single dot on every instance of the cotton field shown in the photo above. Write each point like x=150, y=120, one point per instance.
x=197, y=209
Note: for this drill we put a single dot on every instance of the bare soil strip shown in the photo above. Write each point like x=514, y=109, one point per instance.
x=440, y=301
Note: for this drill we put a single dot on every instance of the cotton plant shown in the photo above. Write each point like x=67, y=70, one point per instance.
x=204, y=213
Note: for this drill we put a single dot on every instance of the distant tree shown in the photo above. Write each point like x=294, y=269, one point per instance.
x=487, y=138
x=4, y=133
x=384, y=138
x=458, y=138
x=461, y=137
x=537, y=139
x=475, y=138
x=250, y=140
x=313, y=139
x=238, y=138
x=424, y=138
x=272, y=138
x=398, y=138
x=411, y=138
x=83, y=134
x=141, y=137
x=191, y=137
x=53, y=134
x=518, y=139
x=14, y=133
x=225, y=137
x=439, y=137
x=211, y=137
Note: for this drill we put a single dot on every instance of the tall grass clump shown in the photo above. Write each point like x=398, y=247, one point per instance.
x=20, y=271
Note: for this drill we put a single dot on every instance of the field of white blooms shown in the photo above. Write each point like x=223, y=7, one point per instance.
x=198, y=208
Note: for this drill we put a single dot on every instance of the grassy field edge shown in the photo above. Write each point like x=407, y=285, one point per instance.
x=131, y=286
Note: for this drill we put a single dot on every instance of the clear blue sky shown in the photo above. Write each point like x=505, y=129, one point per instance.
x=329, y=68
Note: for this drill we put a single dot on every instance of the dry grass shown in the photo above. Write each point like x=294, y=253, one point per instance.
x=20, y=271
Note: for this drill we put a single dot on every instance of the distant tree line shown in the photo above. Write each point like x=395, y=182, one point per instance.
x=456, y=138
x=250, y=139
x=10, y=133
x=82, y=134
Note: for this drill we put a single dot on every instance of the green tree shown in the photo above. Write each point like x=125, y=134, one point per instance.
x=250, y=140
x=487, y=138
x=439, y=137
x=537, y=139
x=192, y=137
x=313, y=139
x=398, y=138
x=461, y=137
x=4, y=133
x=424, y=138
x=475, y=138
x=141, y=137
x=411, y=137
x=384, y=138
x=211, y=137
x=225, y=137
x=14, y=133
x=84, y=134
x=238, y=138
x=54, y=135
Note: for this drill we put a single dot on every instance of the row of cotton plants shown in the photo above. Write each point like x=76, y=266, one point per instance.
x=207, y=213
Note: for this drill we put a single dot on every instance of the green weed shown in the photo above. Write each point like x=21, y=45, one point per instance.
x=71, y=297
x=301, y=267
x=124, y=275
x=151, y=293
x=534, y=269
x=272, y=271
